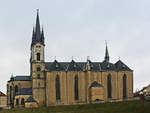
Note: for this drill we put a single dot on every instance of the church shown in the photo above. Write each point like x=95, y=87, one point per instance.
x=65, y=83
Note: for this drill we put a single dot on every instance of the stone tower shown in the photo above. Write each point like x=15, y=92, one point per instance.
x=37, y=63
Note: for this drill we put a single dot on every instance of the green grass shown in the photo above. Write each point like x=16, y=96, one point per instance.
x=116, y=107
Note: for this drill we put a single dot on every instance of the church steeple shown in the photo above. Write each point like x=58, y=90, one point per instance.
x=106, y=54
x=37, y=45
x=38, y=35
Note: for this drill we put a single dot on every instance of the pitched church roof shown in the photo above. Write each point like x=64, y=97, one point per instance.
x=120, y=66
x=81, y=66
x=106, y=65
x=56, y=66
x=20, y=78
x=73, y=66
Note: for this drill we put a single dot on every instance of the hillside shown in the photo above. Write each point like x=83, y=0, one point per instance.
x=117, y=107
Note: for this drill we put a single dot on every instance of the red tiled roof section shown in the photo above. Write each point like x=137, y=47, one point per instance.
x=2, y=94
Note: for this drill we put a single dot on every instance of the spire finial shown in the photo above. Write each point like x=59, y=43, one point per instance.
x=12, y=76
x=106, y=53
x=55, y=58
x=106, y=42
x=119, y=58
x=72, y=57
x=37, y=29
x=37, y=11
x=42, y=29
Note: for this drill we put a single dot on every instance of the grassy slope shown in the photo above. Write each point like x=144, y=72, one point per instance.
x=118, y=107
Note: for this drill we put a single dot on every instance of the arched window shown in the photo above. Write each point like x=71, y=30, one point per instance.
x=10, y=96
x=57, y=86
x=38, y=57
x=109, y=86
x=16, y=89
x=22, y=101
x=38, y=68
x=17, y=101
x=124, y=86
x=76, y=90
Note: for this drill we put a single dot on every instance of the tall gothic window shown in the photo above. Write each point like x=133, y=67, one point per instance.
x=57, y=86
x=124, y=86
x=109, y=86
x=38, y=57
x=76, y=90
x=10, y=94
x=16, y=89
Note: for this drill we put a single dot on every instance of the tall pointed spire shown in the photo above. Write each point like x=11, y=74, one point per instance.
x=38, y=34
x=33, y=36
x=42, y=36
x=37, y=29
x=106, y=54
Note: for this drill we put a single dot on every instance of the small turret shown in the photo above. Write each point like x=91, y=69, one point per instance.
x=106, y=59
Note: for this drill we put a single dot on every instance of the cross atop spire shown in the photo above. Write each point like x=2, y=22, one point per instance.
x=106, y=54
x=38, y=34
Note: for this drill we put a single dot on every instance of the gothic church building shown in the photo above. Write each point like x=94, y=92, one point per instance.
x=63, y=83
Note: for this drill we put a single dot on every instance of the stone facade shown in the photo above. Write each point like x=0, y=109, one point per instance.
x=63, y=83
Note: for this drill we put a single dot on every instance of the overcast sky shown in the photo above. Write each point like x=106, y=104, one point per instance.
x=76, y=28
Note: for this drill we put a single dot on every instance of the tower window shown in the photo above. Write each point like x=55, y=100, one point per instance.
x=38, y=69
x=38, y=57
x=38, y=76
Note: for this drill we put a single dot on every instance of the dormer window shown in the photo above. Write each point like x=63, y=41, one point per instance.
x=108, y=66
x=91, y=66
x=123, y=66
x=56, y=65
